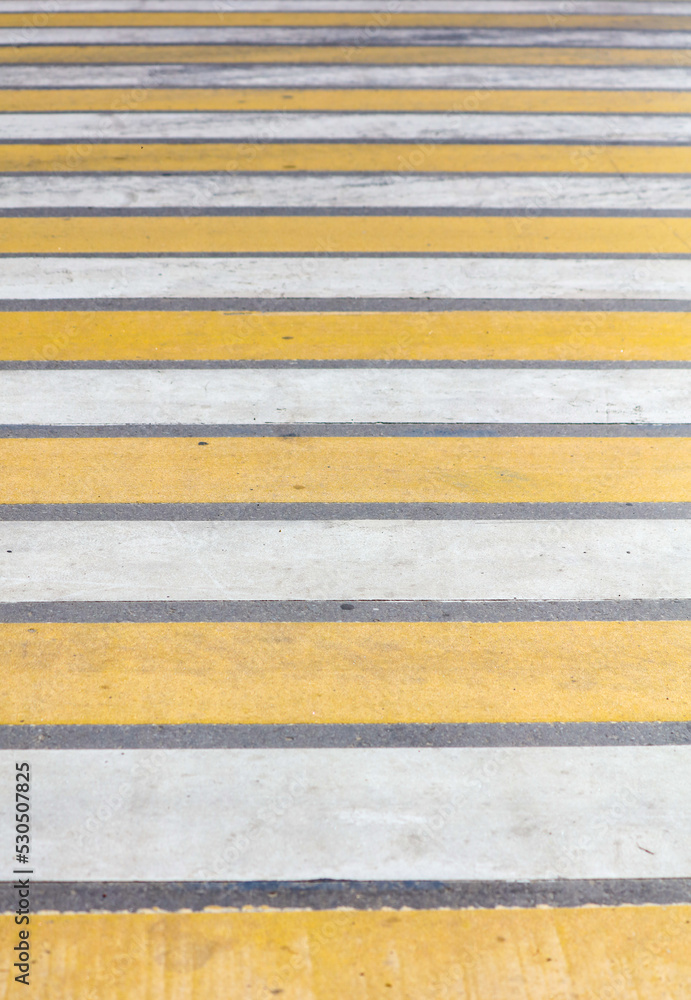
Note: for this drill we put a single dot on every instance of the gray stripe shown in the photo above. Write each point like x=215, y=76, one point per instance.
x=337, y=611
x=357, y=363
x=363, y=304
x=358, y=736
x=344, y=430
x=309, y=255
x=156, y=365
x=339, y=511
x=38, y=176
x=113, y=897
x=438, y=116
x=358, y=211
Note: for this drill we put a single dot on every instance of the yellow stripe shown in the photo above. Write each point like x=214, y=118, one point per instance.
x=626, y=952
x=374, y=21
x=344, y=470
x=345, y=234
x=515, y=55
x=296, y=672
x=267, y=99
x=413, y=157
x=423, y=336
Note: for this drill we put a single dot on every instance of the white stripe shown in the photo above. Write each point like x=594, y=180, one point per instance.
x=351, y=190
x=297, y=75
x=345, y=560
x=373, y=34
x=262, y=396
x=277, y=126
x=453, y=813
x=638, y=7
x=344, y=277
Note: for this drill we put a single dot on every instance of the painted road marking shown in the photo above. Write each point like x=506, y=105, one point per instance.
x=267, y=126
x=604, y=54
x=495, y=278
x=288, y=673
x=433, y=336
x=641, y=19
x=409, y=158
x=346, y=560
x=450, y=395
x=534, y=192
x=220, y=34
x=309, y=470
x=584, y=7
x=459, y=813
x=368, y=234
x=329, y=954
x=565, y=78
x=415, y=657
x=349, y=99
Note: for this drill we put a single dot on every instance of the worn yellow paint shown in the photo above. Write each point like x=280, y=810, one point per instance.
x=627, y=952
x=514, y=55
x=345, y=470
x=347, y=99
x=316, y=672
x=347, y=156
x=521, y=233
x=466, y=335
x=374, y=21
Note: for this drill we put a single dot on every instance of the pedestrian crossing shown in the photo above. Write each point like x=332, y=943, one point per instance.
x=344, y=423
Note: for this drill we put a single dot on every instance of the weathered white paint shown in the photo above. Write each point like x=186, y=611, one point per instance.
x=384, y=6
x=373, y=34
x=511, y=814
x=265, y=396
x=532, y=192
x=345, y=560
x=486, y=278
x=305, y=75
x=276, y=126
